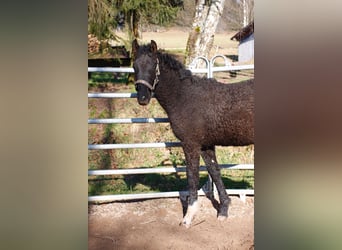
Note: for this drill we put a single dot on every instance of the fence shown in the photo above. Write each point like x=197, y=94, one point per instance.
x=209, y=70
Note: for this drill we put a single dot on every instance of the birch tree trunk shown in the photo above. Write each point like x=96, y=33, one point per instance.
x=245, y=13
x=201, y=37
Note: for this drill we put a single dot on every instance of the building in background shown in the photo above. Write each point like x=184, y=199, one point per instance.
x=245, y=37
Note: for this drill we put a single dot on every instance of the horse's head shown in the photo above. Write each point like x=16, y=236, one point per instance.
x=146, y=69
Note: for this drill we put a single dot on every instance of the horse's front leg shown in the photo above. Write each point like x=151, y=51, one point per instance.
x=192, y=155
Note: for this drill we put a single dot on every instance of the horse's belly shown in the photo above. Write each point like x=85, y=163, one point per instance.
x=234, y=142
x=230, y=137
x=224, y=132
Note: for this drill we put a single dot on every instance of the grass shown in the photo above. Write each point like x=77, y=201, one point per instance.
x=130, y=184
x=151, y=157
x=97, y=79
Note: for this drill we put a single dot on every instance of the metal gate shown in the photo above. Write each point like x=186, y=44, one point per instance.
x=105, y=198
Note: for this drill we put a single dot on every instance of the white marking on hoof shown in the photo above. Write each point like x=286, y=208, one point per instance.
x=185, y=223
x=222, y=218
x=192, y=210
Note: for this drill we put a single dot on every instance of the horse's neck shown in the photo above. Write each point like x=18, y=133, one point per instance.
x=169, y=90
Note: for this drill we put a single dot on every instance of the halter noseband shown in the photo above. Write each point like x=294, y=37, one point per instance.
x=146, y=83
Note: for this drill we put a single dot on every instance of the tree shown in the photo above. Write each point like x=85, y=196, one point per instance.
x=247, y=9
x=102, y=14
x=101, y=19
x=201, y=37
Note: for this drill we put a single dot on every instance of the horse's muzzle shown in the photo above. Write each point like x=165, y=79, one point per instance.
x=143, y=100
x=144, y=94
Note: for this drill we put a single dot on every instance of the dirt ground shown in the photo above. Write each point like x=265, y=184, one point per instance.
x=154, y=224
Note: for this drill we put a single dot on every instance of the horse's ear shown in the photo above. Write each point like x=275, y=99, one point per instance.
x=135, y=47
x=153, y=46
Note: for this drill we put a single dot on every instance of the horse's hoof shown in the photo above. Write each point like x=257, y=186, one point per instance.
x=190, y=214
x=185, y=223
x=222, y=217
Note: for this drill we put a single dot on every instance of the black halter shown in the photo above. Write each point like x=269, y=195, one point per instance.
x=156, y=80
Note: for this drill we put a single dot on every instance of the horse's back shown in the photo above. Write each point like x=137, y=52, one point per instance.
x=218, y=114
x=232, y=118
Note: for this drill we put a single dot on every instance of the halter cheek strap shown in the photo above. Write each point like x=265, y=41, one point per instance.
x=156, y=80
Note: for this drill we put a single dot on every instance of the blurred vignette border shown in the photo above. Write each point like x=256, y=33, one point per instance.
x=298, y=121
x=44, y=128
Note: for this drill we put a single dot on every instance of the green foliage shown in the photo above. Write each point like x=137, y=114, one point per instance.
x=102, y=14
x=159, y=12
x=101, y=18
x=102, y=78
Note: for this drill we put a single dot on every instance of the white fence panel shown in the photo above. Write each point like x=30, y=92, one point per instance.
x=105, y=198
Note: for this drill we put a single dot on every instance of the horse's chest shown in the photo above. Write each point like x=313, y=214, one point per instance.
x=190, y=127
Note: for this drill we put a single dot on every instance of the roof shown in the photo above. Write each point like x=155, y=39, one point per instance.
x=244, y=32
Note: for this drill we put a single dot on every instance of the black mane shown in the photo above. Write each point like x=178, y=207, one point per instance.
x=171, y=62
x=168, y=60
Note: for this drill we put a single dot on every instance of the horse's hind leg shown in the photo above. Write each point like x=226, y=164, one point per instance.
x=192, y=171
x=209, y=157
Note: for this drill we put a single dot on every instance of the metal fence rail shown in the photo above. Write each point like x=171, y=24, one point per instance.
x=160, y=170
x=210, y=68
x=128, y=120
x=112, y=95
x=105, y=198
x=135, y=145
x=122, y=197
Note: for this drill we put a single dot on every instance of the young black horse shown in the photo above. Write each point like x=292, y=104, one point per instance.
x=202, y=113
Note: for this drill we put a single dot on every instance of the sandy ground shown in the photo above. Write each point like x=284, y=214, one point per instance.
x=154, y=224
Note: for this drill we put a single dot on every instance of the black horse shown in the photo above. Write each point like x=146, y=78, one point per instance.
x=202, y=113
